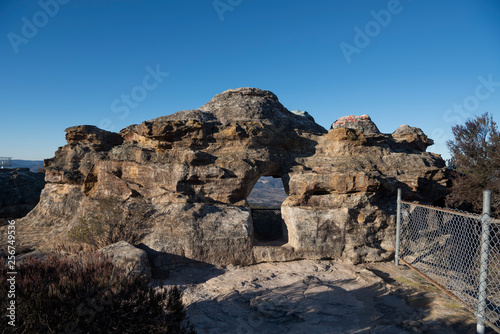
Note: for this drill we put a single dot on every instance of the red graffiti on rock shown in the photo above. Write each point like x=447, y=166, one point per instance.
x=351, y=119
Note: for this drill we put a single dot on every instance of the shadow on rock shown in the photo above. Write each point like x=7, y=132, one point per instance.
x=312, y=305
x=174, y=269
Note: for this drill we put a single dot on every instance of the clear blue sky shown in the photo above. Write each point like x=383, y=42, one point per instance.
x=65, y=63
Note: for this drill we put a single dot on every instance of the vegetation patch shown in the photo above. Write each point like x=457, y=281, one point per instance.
x=474, y=161
x=85, y=293
x=112, y=221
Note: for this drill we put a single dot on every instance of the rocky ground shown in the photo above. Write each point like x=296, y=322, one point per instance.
x=312, y=296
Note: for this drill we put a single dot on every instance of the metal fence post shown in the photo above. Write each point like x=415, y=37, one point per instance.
x=483, y=275
x=398, y=228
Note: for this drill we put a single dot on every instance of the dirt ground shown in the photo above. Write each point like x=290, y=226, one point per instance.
x=314, y=297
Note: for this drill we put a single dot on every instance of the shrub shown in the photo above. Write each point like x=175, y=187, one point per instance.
x=475, y=159
x=112, y=221
x=85, y=293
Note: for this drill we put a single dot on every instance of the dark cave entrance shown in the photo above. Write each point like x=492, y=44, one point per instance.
x=265, y=201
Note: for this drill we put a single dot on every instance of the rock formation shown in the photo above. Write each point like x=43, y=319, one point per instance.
x=361, y=123
x=19, y=191
x=132, y=260
x=196, y=168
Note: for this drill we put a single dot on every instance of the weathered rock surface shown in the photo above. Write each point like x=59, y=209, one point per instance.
x=132, y=260
x=304, y=114
x=19, y=191
x=196, y=168
x=411, y=138
x=311, y=296
x=361, y=123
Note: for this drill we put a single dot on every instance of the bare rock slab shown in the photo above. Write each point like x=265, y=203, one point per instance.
x=311, y=296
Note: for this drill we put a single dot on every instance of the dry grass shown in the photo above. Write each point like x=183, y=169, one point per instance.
x=112, y=221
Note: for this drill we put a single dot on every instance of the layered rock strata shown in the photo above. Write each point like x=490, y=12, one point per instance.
x=195, y=169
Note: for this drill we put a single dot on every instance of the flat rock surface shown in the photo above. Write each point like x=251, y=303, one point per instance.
x=312, y=296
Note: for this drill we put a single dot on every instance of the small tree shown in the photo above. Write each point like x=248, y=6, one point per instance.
x=475, y=157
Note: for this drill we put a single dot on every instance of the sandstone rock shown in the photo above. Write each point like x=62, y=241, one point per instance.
x=132, y=259
x=362, y=123
x=304, y=114
x=412, y=138
x=196, y=168
x=19, y=191
x=246, y=104
x=74, y=162
x=211, y=233
x=90, y=134
x=312, y=296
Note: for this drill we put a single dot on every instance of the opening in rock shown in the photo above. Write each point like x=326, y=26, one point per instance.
x=265, y=203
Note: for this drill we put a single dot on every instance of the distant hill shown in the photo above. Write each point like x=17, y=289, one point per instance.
x=33, y=165
x=267, y=192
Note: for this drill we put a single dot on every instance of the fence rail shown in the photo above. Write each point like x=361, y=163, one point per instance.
x=457, y=251
x=5, y=162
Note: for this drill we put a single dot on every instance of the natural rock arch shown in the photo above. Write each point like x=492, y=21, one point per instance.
x=196, y=168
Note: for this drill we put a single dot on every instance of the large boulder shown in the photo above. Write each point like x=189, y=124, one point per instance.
x=361, y=123
x=132, y=260
x=196, y=168
x=412, y=138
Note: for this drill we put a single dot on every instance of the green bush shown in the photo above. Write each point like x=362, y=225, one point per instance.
x=85, y=293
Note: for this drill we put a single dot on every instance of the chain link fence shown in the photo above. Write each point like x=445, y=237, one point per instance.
x=457, y=251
